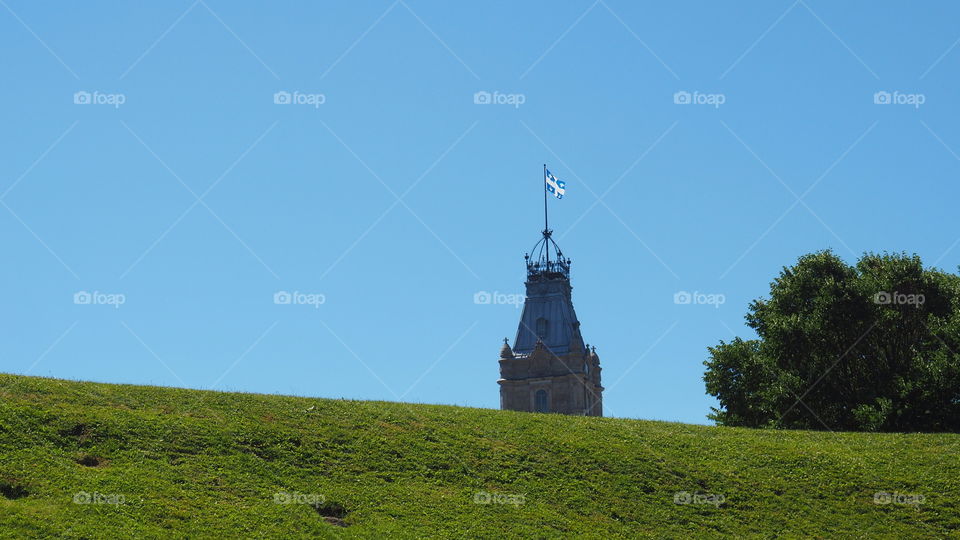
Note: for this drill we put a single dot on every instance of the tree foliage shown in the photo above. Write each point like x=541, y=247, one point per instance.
x=870, y=347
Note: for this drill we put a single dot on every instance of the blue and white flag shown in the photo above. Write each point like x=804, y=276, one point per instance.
x=556, y=187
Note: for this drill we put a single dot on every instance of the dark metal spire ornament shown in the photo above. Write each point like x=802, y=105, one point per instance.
x=540, y=266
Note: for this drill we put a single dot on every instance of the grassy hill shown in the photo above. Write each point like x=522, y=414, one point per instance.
x=86, y=460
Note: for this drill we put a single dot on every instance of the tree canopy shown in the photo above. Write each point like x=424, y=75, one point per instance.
x=870, y=347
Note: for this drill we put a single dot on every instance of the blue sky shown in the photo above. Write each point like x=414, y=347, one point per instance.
x=178, y=186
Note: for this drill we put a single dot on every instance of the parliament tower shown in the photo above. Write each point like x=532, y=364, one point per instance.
x=549, y=369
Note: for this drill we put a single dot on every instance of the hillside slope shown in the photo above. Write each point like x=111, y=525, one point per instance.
x=86, y=460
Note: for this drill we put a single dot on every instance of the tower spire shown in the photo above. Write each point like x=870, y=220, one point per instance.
x=540, y=265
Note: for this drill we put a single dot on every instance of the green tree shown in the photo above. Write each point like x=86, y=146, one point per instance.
x=870, y=347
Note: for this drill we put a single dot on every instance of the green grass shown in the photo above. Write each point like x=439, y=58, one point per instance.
x=188, y=463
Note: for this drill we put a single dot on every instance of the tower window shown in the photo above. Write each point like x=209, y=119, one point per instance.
x=540, y=403
x=541, y=327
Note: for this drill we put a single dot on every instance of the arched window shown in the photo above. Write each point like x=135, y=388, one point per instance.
x=541, y=328
x=540, y=403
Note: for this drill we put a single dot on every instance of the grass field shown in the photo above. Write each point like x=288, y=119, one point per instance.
x=88, y=460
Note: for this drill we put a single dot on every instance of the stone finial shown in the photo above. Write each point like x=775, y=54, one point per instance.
x=506, y=351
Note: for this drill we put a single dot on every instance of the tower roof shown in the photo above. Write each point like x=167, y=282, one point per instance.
x=548, y=313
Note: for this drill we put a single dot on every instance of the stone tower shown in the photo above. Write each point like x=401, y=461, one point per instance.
x=549, y=368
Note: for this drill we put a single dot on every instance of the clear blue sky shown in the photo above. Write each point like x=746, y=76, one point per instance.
x=398, y=198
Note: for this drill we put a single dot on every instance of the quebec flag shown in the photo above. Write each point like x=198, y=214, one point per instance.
x=556, y=187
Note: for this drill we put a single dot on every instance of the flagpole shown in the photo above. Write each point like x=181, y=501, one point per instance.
x=546, y=226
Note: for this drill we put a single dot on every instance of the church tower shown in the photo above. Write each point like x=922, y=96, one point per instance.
x=549, y=368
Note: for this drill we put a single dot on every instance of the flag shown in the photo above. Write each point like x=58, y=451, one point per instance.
x=556, y=187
